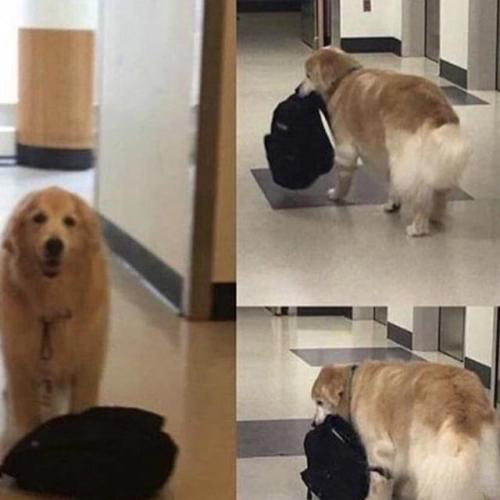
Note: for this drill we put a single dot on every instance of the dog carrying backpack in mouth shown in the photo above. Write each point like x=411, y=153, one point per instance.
x=299, y=149
x=101, y=454
x=337, y=467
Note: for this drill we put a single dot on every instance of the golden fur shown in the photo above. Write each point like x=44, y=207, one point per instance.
x=71, y=293
x=401, y=125
x=408, y=412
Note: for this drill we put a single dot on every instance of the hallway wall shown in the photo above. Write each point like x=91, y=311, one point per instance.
x=384, y=19
x=479, y=334
x=455, y=32
x=147, y=124
x=401, y=316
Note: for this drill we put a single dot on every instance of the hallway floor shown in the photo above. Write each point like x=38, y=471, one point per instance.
x=159, y=362
x=278, y=359
x=302, y=253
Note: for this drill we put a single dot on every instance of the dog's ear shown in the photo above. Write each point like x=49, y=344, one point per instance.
x=10, y=235
x=91, y=223
x=334, y=64
x=331, y=384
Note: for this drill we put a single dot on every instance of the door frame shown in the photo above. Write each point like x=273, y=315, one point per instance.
x=463, y=333
x=218, y=46
x=426, y=31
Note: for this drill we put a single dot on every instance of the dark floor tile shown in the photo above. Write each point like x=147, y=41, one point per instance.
x=323, y=357
x=366, y=190
x=459, y=97
x=272, y=438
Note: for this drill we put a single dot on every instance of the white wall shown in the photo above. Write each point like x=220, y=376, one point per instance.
x=9, y=20
x=401, y=316
x=383, y=20
x=455, y=32
x=479, y=334
x=396, y=7
x=146, y=138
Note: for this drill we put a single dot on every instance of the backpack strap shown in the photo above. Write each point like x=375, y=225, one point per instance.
x=349, y=400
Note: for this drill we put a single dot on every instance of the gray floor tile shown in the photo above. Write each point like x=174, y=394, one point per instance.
x=272, y=438
x=366, y=190
x=322, y=357
x=459, y=97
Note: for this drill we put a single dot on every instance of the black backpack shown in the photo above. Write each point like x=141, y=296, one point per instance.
x=298, y=149
x=101, y=454
x=337, y=468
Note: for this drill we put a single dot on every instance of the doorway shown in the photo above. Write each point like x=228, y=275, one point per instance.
x=317, y=16
x=380, y=315
x=452, y=331
x=432, y=29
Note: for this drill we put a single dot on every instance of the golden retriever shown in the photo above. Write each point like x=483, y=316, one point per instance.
x=401, y=125
x=54, y=308
x=429, y=425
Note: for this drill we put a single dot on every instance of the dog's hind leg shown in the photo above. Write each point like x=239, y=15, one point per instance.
x=422, y=203
x=346, y=162
x=393, y=203
x=440, y=202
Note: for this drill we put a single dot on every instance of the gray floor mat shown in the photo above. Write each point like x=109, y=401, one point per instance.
x=366, y=190
x=272, y=438
x=459, y=97
x=324, y=357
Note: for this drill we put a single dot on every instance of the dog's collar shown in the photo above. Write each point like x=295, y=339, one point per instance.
x=336, y=84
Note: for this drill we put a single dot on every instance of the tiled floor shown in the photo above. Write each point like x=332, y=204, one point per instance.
x=277, y=360
x=301, y=256
x=157, y=361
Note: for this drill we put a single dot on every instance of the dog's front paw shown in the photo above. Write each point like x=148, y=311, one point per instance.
x=381, y=487
x=416, y=230
x=392, y=206
x=334, y=195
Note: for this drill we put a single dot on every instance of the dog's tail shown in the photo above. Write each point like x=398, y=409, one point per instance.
x=460, y=467
x=445, y=154
x=431, y=157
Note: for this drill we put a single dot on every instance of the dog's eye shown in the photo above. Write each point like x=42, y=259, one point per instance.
x=319, y=403
x=69, y=221
x=39, y=218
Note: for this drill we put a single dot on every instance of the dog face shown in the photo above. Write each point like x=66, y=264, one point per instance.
x=324, y=68
x=329, y=392
x=51, y=229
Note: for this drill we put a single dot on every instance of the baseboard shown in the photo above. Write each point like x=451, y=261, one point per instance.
x=453, y=73
x=54, y=158
x=325, y=311
x=8, y=161
x=159, y=275
x=482, y=371
x=400, y=335
x=372, y=44
x=269, y=6
x=224, y=301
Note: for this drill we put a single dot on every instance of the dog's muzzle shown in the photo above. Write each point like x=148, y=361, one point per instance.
x=306, y=87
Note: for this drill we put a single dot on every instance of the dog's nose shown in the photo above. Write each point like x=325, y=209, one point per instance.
x=54, y=247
